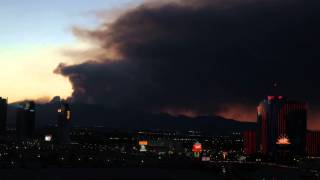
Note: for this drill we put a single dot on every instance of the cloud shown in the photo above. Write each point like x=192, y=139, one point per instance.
x=201, y=55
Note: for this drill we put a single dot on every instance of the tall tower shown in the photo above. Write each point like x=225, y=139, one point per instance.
x=279, y=118
x=3, y=116
x=25, y=122
x=64, y=123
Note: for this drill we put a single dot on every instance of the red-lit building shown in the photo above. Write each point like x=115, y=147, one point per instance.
x=313, y=143
x=249, y=142
x=279, y=117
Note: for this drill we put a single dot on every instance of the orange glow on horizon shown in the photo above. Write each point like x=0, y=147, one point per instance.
x=238, y=112
x=242, y=113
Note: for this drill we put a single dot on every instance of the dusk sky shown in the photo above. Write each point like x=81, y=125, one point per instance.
x=32, y=36
x=189, y=57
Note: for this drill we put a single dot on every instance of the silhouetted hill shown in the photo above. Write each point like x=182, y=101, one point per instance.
x=94, y=115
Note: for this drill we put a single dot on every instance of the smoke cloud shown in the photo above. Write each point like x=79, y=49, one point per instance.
x=200, y=56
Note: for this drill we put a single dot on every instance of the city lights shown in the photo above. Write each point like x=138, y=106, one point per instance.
x=283, y=140
x=48, y=138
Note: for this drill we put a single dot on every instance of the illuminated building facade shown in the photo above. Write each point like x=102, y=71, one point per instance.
x=279, y=117
x=64, y=123
x=313, y=143
x=249, y=142
x=25, y=122
x=3, y=116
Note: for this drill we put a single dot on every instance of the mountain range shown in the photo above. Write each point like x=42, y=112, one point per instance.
x=88, y=115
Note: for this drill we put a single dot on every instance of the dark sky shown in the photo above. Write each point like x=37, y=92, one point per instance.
x=204, y=57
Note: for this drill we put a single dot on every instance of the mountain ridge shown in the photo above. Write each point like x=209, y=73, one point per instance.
x=87, y=115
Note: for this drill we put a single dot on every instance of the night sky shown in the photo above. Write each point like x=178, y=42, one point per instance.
x=197, y=57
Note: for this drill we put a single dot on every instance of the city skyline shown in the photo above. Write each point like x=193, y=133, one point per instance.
x=174, y=56
x=159, y=89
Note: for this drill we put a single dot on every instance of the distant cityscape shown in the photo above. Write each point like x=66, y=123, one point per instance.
x=279, y=139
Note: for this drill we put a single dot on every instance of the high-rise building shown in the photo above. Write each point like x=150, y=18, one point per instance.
x=25, y=122
x=3, y=116
x=64, y=123
x=313, y=143
x=281, y=119
x=249, y=142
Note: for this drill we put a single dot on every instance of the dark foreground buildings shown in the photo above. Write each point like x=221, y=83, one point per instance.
x=249, y=142
x=3, y=116
x=25, y=122
x=64, y=123
x=282, y=124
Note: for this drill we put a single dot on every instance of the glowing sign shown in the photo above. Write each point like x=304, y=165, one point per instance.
x=283, y=140
x=144, y=143
x=224, y=155
x=270, y=98
x=48, y=138
x=197, y=147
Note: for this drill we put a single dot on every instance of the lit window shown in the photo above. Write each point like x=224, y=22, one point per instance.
x=68, y=115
